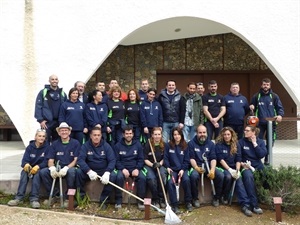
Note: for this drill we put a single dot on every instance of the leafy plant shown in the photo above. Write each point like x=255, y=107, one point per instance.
x=281, y=182
x=82, y=201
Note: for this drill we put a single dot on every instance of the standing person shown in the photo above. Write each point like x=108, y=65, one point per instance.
x=253, y=150
x=114, y=83
x=214, y=109
x=266, y=103
x=100, y=86
x=130, y=162
x=237, y=108
x=96, y=113
x=151, y=166
x=64, y=151
x=32, y=162
x=173, y=108
x=193, y=113
x=229, y=157
x=132, y=112
x=83, y=97
x=151, y=113
x=177, y=160
x=116, y=114
x=198, y=146
x=144, y=89
x=200, y=89
x=47, y=105
x=72, y=112
x=96, y=158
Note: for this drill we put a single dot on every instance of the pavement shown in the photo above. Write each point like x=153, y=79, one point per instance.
x=285, y=152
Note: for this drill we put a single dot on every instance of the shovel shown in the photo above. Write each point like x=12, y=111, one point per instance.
x=171, y=217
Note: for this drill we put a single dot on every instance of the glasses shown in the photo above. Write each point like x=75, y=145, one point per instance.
x=41, y=130
x=199, y=83
x=247, y=130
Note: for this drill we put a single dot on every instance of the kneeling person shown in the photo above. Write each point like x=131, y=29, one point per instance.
x=96, y=158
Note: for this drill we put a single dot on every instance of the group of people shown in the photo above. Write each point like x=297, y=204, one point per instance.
x=112, y=136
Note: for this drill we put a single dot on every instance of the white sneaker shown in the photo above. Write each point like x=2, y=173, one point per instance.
x=14, y=202
x=35, y=204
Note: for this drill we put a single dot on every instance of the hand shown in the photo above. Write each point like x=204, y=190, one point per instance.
x=43, y=124
x=156, y=165
x=146, y=131
x=211, y=175
x=278, y=118
x=63, y=171
x=125, y=173
x=34, y=169
x=27, y=168
x=232, y=172
x=135, y=173
x=54, y=174
x=251, y=107
x=105, y=178
x=92, y=175
x=200, y=169
x=237, y=175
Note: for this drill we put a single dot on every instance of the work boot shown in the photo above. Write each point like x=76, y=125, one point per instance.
x=196, y=203
x=14, y=202
x=224, y=201
x=35, y=204
x=246, y=211
x=53, y=200
x=257, y=210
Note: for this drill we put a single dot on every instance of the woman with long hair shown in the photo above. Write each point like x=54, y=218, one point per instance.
x=229, y=158
x=158, y=147
x=177, y=161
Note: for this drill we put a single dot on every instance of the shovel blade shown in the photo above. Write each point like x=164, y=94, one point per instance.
x=171, y=217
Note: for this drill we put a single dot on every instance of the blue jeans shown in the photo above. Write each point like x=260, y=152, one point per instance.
x=212, y=131
x=48, y=180
x=186, y=184
x=140, y=182
x=35, y=187
x=82, y=178
x=154, y=183
x=188, y=132
x=167, y=129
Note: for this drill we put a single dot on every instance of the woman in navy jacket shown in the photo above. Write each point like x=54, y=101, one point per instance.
x=177, y=160
x=72, y=112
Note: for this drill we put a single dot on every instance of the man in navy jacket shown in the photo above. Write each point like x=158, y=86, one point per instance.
x=130, y=162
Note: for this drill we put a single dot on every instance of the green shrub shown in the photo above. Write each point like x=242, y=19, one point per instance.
x=83, y=202
x=281, y=182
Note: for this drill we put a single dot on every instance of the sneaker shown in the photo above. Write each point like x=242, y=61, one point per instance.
x=162, y=203
x=257, y=210
x=196, y=203
x=175, y=209
x=156, y=204
x=215, y=202
x=246, y=211
x=14, y=202
x=189, y=207
x=118, y=206
x=35, y=204
x=53, y=200
x=224, y=201
x=141, y=206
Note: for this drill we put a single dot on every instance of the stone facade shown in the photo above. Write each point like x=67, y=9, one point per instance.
x=129, y=64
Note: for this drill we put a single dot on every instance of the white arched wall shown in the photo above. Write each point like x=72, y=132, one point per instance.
x=72, y=38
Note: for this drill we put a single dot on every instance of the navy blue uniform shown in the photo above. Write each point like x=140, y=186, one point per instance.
x=132, y=117
x=130, y=157
x=34, y=156
x=65, y=153
x=196, y=150
x=100, y=159
x=178, y=159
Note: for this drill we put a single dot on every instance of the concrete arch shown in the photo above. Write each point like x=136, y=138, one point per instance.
x=72, y=38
